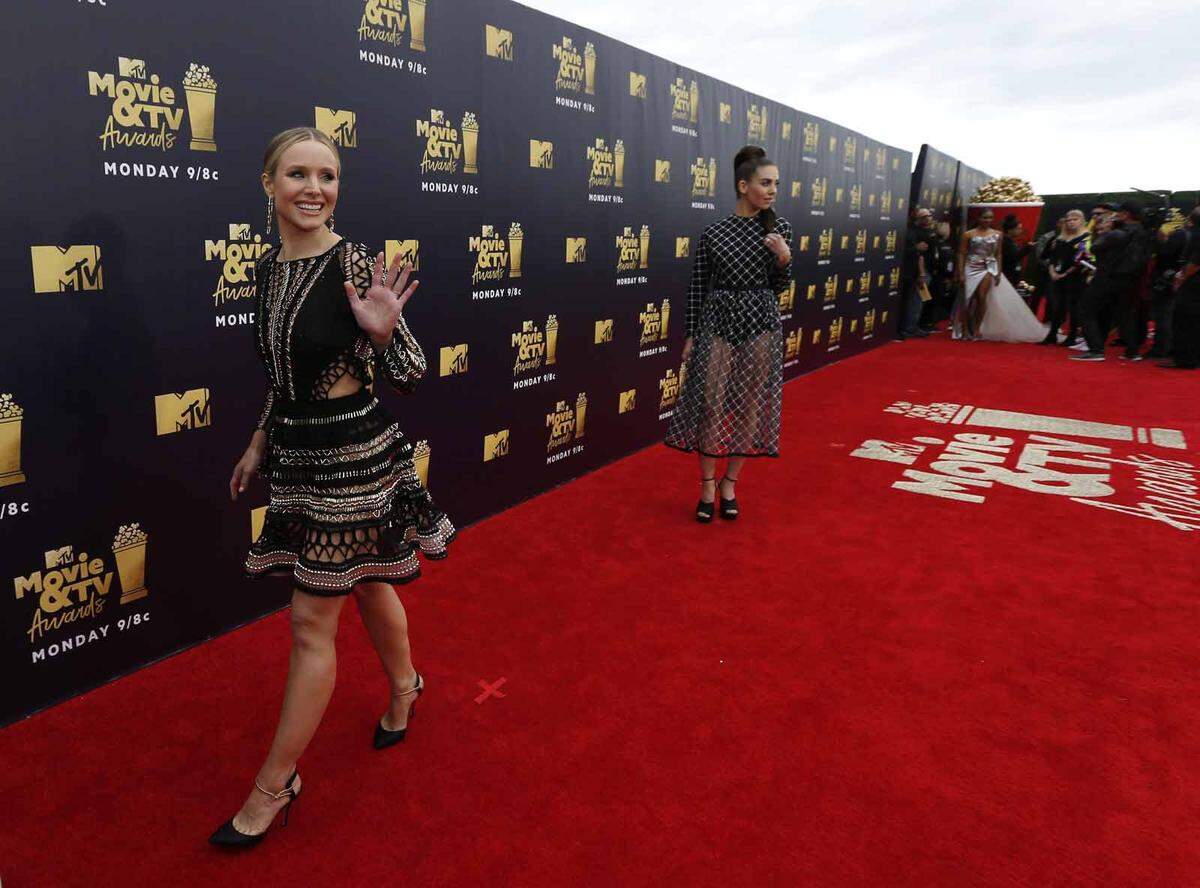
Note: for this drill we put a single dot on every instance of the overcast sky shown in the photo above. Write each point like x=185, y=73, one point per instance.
x=1073, y=96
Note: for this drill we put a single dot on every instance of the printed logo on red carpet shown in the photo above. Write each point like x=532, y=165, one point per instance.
x=1045, y=454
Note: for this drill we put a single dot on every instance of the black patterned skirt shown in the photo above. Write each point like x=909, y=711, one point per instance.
x=346, y=503
x=731, y=400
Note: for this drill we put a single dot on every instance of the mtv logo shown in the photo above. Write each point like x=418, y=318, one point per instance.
x=66, y=269
x=726, y=113
x=541, y=154
x=577, y=249
x=58, y=557
x=453, y=359
x=787, y=130
x=495, y=446
x=341, y=126
x=637, y=85
x=409, y=252
x=131, y=67
x=683, y=247
x=239, y=231
x=499, y=42
x=662, y=170
x=797, y=189
x=627, y=401
x=604, y=331
x=177, y=412
x=258, y=517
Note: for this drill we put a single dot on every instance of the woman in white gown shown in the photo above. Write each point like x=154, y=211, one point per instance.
x=991, y=308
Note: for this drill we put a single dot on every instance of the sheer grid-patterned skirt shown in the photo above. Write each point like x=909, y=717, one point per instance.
x=732, y=397
x=346, y=503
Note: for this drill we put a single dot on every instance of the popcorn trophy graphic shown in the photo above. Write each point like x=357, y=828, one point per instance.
x=666, y=316
x=129, y=547
x=580, y=414
x=416, y=19
x=201, y=92
x=712, y=177
x=470, y=134
x=695, y=101
x=589, y=69
x=10, y=442
x=551, y=339
x=644, y=247
x=516, y=238
x=421, y=462
x=619, y=158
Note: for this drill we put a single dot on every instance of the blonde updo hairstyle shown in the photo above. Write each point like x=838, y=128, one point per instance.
x=289, y=137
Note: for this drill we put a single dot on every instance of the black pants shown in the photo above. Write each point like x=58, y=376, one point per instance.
x=1162, y=304
x=1186, y=327
x=1135, y=319
x=1062, y=302
x=1105, y=300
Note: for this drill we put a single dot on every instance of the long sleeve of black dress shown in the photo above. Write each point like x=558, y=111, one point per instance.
x=402, y=363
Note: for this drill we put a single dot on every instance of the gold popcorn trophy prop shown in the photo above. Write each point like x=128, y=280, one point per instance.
x=10, y=441
x=695, y=100
x=470, y=134
x=129, y=548
x=580, y=414
x=619, y=162
x=551, y=339
x=516, y=238
x=416, y=23
x=666, y=316
x=589, y=69
x=201, y=92
x=644, y=247
x=421, y=462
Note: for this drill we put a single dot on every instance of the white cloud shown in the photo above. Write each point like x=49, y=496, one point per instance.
x=1088, y=95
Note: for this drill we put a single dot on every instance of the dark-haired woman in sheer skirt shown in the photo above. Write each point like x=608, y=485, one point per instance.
x=732, y=396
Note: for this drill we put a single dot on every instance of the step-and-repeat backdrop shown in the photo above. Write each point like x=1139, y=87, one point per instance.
x=548, y=183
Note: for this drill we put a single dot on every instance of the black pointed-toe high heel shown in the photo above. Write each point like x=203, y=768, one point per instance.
x=229, y=836
x=385, y=738
x=704, y=511
x=729, y=507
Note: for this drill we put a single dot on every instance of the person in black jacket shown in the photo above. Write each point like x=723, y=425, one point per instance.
x=1170, y=255
x=1066, y=278
x=919, y=248
x=1121, y=255
x=1013, y=253
x=1186, y=326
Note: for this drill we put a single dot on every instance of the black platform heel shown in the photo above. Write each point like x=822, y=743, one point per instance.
x=229, y=836
x=704, y=511
x=729, y=507
x=385, y=738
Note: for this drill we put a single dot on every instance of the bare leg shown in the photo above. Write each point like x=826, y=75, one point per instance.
x=311, y=674
x=981, y=299
x=387, y=623
x=708, y=491
x=732, y=470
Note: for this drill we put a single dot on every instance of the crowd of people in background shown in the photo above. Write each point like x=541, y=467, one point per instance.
x=1088, y=278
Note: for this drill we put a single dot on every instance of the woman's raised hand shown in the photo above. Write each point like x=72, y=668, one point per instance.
x=378, y=309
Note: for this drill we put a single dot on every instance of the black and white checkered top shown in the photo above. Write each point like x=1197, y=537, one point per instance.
x=731, y=256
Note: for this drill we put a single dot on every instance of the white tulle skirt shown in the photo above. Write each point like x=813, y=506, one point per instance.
x=1007, y=319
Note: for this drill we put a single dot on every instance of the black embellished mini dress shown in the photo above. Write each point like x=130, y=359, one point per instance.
x=346, y=503
x=732, y=393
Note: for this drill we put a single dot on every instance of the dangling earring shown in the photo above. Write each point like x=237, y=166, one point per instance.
x=330, y=222
x=270, y=211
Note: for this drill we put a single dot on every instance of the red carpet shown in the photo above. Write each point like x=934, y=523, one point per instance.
x=852, y=685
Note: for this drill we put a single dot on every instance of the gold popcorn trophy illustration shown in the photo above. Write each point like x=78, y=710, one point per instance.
x=644, y=247
x=10, y=441
x=129, y=547
x=551, y=339
x=580, y=414
x=619, y=158
x=201, y=92
x=416, y=19
x=470, y=134
x=421, y=462
x=695, y=100
x=589, y=69
x=712, y=177
x=666, y=316
x=516, y=238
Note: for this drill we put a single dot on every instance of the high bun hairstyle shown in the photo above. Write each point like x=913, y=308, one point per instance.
x=745, y=164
